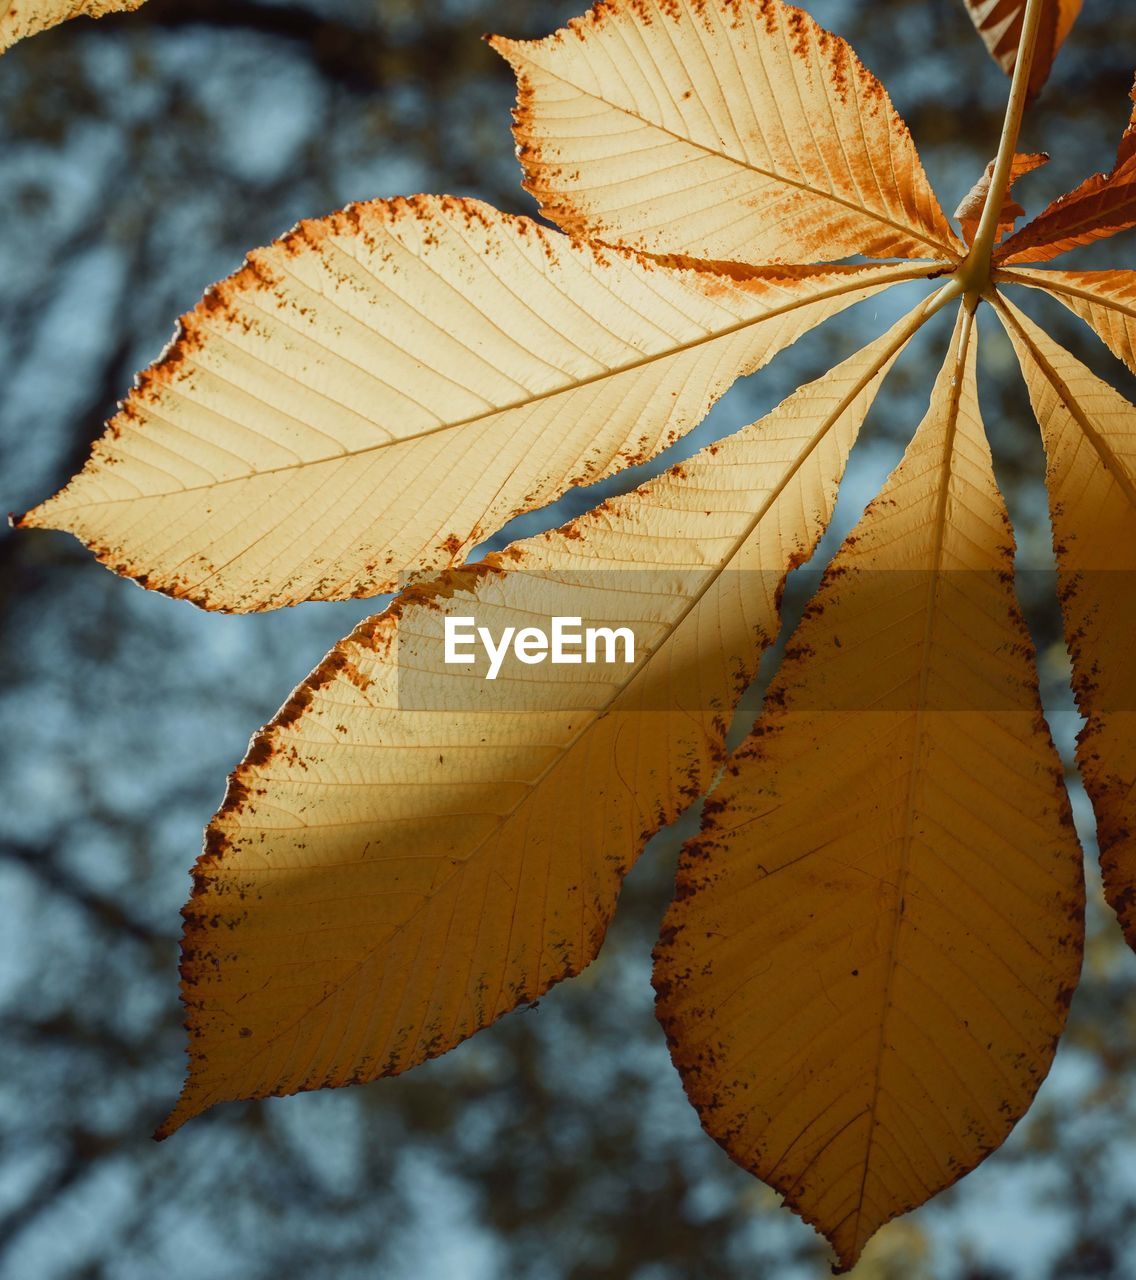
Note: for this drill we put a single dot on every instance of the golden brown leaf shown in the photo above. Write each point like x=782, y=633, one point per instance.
x=1105, y=300
x=873, y=945
x=969, y=212
x=1089, y=431
x=1100, y=207
x=999, y=23
x=22, y=18
x=383, y=388
x=407, y=852
x=721, y=130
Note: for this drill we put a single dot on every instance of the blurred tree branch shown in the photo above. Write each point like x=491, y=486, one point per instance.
x=109, y=913
x=360, y=56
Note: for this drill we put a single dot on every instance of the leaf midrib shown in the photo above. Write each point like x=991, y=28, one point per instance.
x=1051, y=280
x=915, y=779
x=889, y=274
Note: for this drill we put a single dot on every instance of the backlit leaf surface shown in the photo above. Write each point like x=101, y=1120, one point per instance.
x=409, y=851
x=1105, y=300
x=1089, y=431
x=874, y=942
x=721, y=130
x=381, y=389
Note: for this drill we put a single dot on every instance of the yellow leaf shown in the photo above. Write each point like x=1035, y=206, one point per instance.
x=873, y=945
x=408, y=851
x=969, y=212
x=383, y=388
x=1105, y=300
x=1089, y=431
x=22, y=18
x=720, y=130
x=1100, y=207
x=999, y=23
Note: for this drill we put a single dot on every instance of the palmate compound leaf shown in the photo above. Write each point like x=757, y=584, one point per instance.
x=1089, y=431
x=874, y=942
x=1105, y=300
x=999, y=23
x=388, y=826
x=408, y=852
x=22, y=18
x=379, y=390
x=723, y=130
x=1100, y=207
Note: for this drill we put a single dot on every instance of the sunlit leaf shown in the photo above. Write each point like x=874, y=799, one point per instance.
x=409, y=851
x=1105, y=300
x=722, y=130
x=874, y=943
x=1089, y=431
x=382, y=389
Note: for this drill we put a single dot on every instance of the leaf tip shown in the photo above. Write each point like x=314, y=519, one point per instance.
x=846, y=1256
x=184, y=1109
x=508, y=49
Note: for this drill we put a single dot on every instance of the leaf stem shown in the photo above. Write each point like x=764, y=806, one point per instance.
x=975, y=270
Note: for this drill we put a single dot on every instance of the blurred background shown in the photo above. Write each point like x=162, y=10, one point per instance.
x=140, y=156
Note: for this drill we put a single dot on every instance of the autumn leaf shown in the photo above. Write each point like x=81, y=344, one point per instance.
x=1101, y=206
x=1105, y=300
x=730, y=131
x=874, y=942
x=23, y=18
x=435, y=365
x=999, y=23
x=1089, y=432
